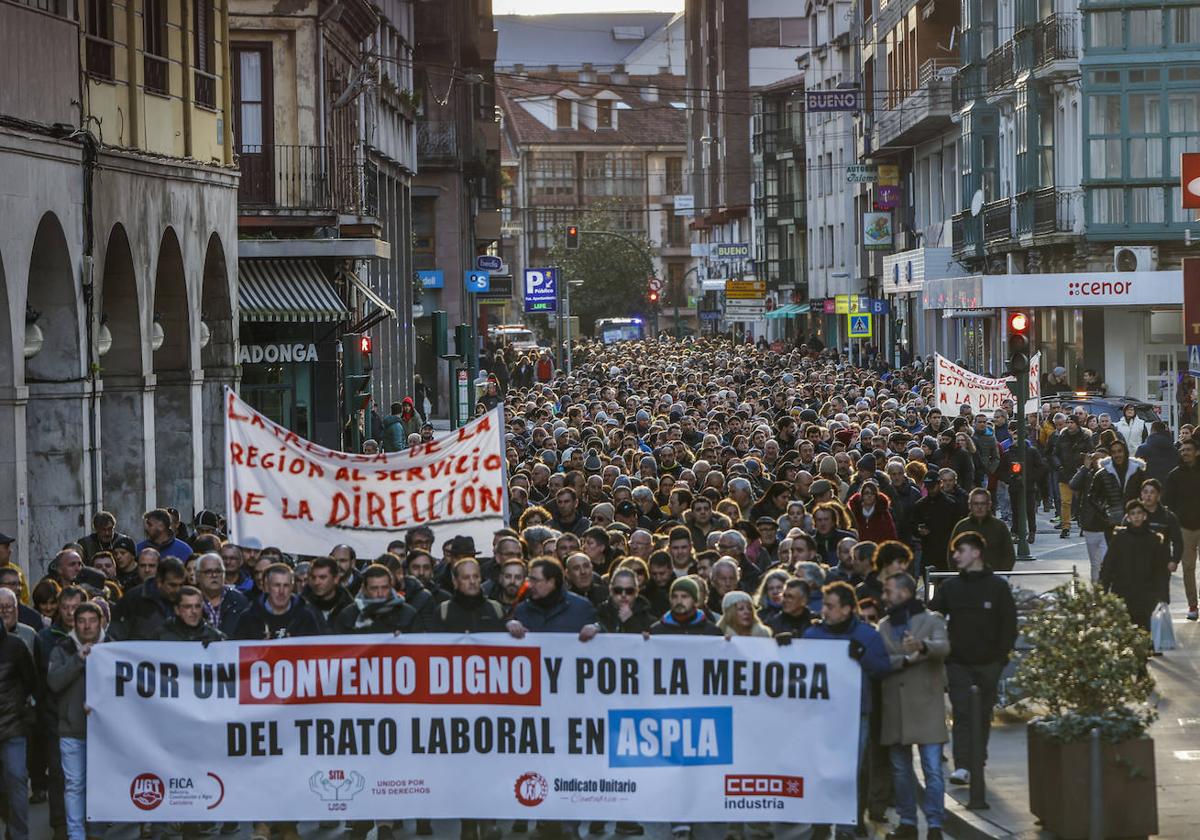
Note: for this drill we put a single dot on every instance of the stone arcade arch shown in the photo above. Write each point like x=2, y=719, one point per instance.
x=58, y=440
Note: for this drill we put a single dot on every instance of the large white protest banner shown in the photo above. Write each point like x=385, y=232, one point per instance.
x=955, y=386
x=304, y=498
x=473, y=726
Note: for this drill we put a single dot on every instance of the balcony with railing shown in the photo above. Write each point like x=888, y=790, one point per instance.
x=1056, y=39
x=437, y=142
x=1000, y=70
x=964, y=235
x=997, y=221
x=922, y=114
x=304, y=179
x=1048, y=211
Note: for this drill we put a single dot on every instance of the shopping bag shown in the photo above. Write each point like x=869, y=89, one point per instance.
x=1161, y=630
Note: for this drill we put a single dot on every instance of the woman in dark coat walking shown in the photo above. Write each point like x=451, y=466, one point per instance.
x=1138, y=565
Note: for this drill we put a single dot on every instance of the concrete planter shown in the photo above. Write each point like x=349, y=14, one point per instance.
x=1058, y=787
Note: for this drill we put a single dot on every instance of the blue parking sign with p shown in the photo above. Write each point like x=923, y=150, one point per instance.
x=541, y=290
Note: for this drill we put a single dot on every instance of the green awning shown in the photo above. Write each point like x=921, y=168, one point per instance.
x=803, y=309
x=785, y=311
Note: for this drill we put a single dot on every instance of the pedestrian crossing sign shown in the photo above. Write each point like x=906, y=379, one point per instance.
x=1194, y=360
x=860, y=325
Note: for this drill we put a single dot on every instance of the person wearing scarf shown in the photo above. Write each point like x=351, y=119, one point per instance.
x=377, y=608
x=912, y=706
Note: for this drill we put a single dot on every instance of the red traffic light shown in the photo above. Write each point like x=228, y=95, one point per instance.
x=364, y=344
x=1018, y=322
x=1015, y=468
x=653, y=296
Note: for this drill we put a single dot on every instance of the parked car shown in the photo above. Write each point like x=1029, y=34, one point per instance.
x=1102, y=404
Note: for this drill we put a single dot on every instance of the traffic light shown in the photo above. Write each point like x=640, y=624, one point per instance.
x=652, y=297
x=364, y=350
x=1018, y=342
x=572, y=237
x=440, y=324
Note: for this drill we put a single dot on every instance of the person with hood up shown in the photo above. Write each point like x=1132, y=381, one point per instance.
x=377, y=608
x=1158, y=452
x=872, y=513
x=950, y=455
x=397, y=426
x=1118, y=481
x=1138, y=565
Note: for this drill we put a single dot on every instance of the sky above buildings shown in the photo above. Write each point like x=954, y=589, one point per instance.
x=545, y=7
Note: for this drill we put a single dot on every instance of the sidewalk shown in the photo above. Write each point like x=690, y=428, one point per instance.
x=1176, y=733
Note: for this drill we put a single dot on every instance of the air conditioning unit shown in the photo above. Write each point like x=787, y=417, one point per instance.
x=1135, y=258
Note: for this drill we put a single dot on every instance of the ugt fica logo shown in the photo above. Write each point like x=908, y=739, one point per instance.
x=530, y=789
x=147, y=791
x=336, y=785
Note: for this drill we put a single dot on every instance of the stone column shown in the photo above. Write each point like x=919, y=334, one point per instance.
x=127, y=449
x=177, y=441
x=215, y=380
x=14, y=483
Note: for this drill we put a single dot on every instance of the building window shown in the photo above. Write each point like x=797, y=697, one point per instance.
x=1105, y=29
x=203, y=49
x=565, y=112
x=676, y=231
x=608, y=174
x=1104, y=118
x=424, y=215
x=548, y=227
x=552, y=174
x=1183, y=25
x=1145, y=27
x=1147, y=205
x=1145, y=118
x=98, y=39
x=604, y=113
x=674, y=175
x=155, y=69
x=252, y=86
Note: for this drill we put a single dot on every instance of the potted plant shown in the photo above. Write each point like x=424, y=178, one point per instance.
x=1086, y=670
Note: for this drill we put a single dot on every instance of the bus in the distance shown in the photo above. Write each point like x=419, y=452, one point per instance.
x=612, y=330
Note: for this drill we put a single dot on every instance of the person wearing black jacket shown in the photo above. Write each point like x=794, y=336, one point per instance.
x=144, y=609
x=826, y=534
x=950, y=455
x=377, y=609
x=18, y=685
x=1159, y=452
x=468, y=610
x=1138, y=565
x=1118, y=480
x=188, y=624
x=1183, y=497
x=1091, y=516
x=279, y=613
x=982, y=618
x=624, y=611
x=1161, y=520
x=933, y=520
x=795, y=617
x=324, y=593
x=1068, y=447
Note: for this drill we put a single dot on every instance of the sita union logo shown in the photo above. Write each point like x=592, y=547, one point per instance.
x=530, y=789
x=147, y=791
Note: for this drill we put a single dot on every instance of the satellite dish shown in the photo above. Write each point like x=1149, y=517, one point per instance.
x=977, y=202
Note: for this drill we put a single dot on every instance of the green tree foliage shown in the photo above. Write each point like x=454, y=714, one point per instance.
x=614, y=270
x=1087, y=667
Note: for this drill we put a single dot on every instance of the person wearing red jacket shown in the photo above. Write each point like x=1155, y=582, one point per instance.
x=872, y=512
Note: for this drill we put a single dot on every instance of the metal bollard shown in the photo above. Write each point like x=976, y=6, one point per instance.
x=1096, y=788
x=978, y=789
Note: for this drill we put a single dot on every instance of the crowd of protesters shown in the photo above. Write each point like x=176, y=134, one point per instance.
x=662, y=488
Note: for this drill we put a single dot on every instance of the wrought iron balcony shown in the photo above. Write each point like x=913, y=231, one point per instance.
x=1047, y=211
x=1000, y=68
x=1055, y=38
x=303, y=178
x=997, y=220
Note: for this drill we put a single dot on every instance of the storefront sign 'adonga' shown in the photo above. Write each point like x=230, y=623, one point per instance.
x=257, y=354
x=474, y=726
x=304, y=498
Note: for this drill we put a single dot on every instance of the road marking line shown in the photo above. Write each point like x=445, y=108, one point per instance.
x=1187, y=755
